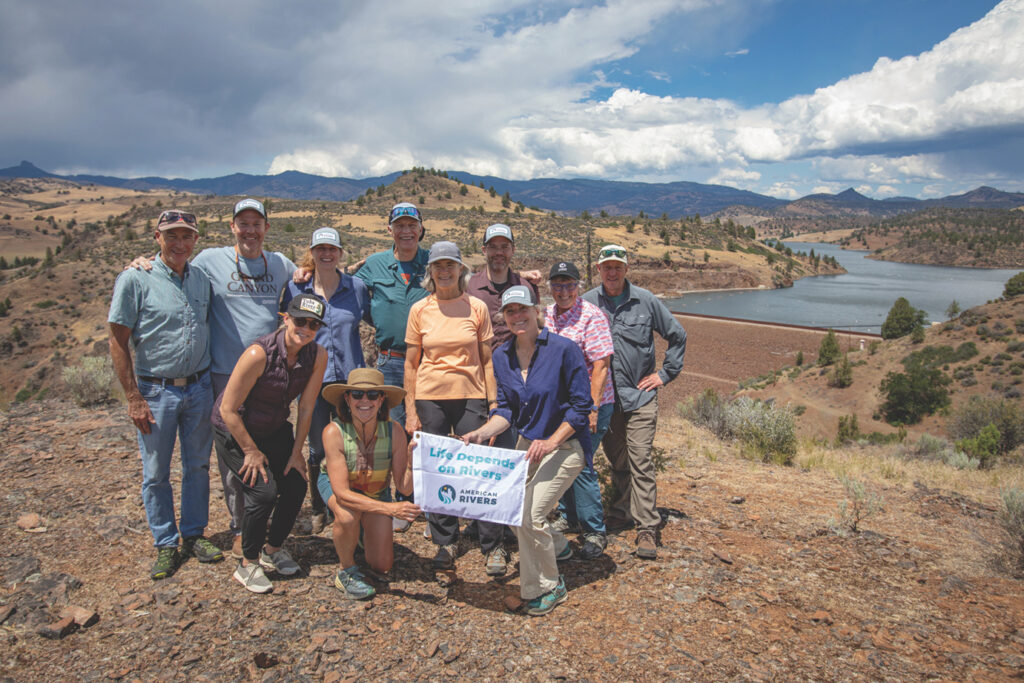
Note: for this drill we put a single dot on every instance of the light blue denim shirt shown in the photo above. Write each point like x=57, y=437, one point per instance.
x=168, y=317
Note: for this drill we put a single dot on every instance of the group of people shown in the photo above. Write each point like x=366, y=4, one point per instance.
x=225, y=343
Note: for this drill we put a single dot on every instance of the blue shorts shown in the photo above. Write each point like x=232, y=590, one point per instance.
x=323, y=485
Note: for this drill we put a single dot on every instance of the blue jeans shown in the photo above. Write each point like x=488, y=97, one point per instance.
x=183, y=412
x=582, y=502
x=393, y=370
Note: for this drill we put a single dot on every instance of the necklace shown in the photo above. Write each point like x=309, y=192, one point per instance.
x=246, y=276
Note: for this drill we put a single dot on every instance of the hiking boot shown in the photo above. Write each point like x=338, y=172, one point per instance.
x=646, y=544
x=167, y=561
x=560, y=524
x=593, y=545
x=496, y=563
x=400, y=526
x=253, y=578
x=445, y=557
x=236, y=548
x=318, y=522
x=565, y=555
x=280, y=562
x=353, y=584
x=201, y=549
x=540, y=606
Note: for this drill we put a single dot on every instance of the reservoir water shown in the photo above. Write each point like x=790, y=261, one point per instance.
x=858, y=300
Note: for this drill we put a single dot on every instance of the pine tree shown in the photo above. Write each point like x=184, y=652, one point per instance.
x=828, y=351
x=902, y=320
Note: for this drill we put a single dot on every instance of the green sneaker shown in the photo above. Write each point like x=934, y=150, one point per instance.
x=543, y=604
x=201, y=549
x=353, y=584
x=167, y=561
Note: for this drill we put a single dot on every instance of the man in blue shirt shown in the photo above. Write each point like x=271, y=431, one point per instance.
x=635, y=315
x=246, y=283
x=164, y=315
x=393, y=277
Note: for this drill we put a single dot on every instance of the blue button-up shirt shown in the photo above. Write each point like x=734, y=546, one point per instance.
x=392, y=295
x=340, y=333
x=168, y=317
x=556, y=390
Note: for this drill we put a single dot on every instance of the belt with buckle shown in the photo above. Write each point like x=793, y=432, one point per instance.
x=175, y=382
x=392, y=354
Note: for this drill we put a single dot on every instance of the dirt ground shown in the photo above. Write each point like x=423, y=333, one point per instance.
x=751, y=583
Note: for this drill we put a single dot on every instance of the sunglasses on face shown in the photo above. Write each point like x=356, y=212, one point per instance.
x=304, y=322
x=564, y=286
x=170, y=217
x=605, y=253
x=372, y=394
x=410, y=211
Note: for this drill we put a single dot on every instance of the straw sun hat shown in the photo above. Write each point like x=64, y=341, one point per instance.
x=366, y=379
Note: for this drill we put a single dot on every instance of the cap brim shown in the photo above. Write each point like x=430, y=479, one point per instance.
x=178, y=224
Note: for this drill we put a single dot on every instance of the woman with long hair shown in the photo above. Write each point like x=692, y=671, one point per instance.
x=346, y=301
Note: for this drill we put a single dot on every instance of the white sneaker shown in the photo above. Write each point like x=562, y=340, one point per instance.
x=280, y=562
x=253, y=578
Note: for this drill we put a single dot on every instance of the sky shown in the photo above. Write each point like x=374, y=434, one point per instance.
x=920, y=98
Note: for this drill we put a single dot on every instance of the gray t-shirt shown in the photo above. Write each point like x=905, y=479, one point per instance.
x=244, y=302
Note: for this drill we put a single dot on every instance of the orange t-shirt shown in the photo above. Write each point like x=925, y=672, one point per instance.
x=449, y=334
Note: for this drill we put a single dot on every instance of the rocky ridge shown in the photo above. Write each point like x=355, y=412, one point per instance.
x=752, y=583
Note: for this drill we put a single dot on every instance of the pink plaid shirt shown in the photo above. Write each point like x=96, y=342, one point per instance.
x=587, y=325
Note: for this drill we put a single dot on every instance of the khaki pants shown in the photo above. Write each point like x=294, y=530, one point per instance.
x=628, y=447
x=538, y=542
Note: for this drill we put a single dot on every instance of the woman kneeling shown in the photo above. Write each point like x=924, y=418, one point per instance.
x=362, y=448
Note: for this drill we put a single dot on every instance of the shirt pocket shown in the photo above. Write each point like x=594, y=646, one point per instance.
x=635, y=328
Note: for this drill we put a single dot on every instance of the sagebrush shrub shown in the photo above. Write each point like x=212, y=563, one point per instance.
x=91, y=381
x=860, y=504
x=769, y=429
x=980, y=411
x=707, y=410
x=1011, y=517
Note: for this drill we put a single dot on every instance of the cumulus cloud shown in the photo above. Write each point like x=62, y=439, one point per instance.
x=504, y=88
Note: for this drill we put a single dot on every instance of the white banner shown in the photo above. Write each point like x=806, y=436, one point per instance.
x=471, y=481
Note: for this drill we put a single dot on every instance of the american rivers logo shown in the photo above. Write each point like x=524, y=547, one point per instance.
x=446, y=493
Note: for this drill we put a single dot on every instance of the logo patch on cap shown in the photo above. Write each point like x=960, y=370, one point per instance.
x=311, y=305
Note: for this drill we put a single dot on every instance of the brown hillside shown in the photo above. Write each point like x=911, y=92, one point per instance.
x=996, y=329
x=58, y=311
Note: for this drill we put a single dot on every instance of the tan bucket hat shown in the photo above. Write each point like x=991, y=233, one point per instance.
x=366, y=379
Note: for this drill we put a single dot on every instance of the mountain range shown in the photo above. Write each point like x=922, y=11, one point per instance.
x=565, y=196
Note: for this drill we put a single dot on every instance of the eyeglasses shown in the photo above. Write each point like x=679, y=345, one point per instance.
x=606, y=253
x=372, y=394
x=303, y=322
x=400, y=211
x=564, y=286
x=171, y=217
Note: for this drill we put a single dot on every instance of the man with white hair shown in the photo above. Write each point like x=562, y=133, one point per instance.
x=635, y=315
